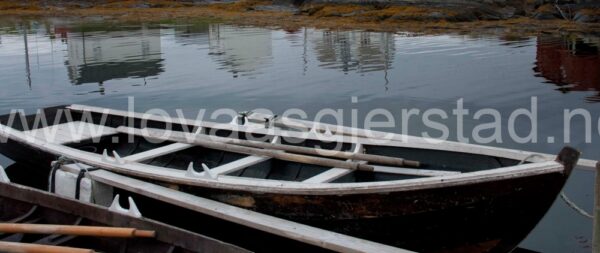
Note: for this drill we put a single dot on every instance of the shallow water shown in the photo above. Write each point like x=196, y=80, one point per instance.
x=212, y=66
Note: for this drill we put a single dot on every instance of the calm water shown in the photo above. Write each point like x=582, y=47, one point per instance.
x=211, y=66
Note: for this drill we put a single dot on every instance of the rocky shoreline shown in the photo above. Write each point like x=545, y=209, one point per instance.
x=529, y=16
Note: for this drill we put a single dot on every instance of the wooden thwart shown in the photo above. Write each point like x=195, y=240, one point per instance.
x=22, y=228
x=386, y=160
x=72, y=132
x=153, y=153
x=277, y=154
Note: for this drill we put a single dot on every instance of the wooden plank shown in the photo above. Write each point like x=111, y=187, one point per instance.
x=186, y=240
x=208, y=142
x=333, y=173
x=281, y=227
x=238, y=164
x=153, y=153
x=274, y=186
x=414, y=172
x=596, y=220
x=379, y=138
x=71, y=132
x=340, y=154
x=328, y=176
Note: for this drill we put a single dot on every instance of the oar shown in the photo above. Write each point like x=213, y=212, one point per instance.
x=277, y=154
x=74, y=230
x=378, y=159
x=15, y=247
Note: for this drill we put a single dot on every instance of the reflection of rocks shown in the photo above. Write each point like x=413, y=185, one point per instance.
x=573, y=64
x=355, y=51
x=96, y=57
x=240, y=50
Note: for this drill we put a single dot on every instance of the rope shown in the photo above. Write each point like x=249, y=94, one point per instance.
x=529, y=156
x=56, y=165
x=574, y=206
x=80, y=177
x=563, y=196
x=52, y=178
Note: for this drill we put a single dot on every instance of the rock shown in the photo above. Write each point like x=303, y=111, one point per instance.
x=463, y=16
x=437, y=15
x=544, y=16
x=487, y=14
x=584, y=16
x=507, y=12
x=141, y=6
x=546, y=12
x=352, y=14
x=333, y=14
x=432, y=16
x=277, y=8
x=311, y=10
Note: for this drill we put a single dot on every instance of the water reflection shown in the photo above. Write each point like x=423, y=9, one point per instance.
x=99, y=56
x=572, y=64
x=354, y=50
x=240, y=50
x=193, y=34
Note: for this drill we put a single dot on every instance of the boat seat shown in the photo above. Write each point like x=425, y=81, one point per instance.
x=71, y=132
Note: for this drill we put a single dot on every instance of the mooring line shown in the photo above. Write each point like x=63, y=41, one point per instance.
x=574, y=206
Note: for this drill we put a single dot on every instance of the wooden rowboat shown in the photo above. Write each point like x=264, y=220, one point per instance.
x=388, y=188
x=81, y=227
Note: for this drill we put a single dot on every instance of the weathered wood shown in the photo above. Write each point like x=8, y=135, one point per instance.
x=596, y=232
x=42, y=202
x=24, y=228
x=292, y=230
x=174, y=135
x=72, y=132
x=274, y=186
x=238, y=165
x=343, y=134
x=334, y=173
x=208, y=143
x=153, y=153
x=14, y=247
x=414, y=172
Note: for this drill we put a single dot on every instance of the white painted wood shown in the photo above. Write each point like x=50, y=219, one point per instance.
x=328, y=176
x=238, y=164
x=153, y=153
x=281, y=227
x=377, y=138
x=334, y=173
x=273, y=186
x=413, y=171
x=71, y=132
x=3, y=177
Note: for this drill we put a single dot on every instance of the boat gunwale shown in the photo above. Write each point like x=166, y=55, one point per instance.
x=394, y=140
x=287, y=187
